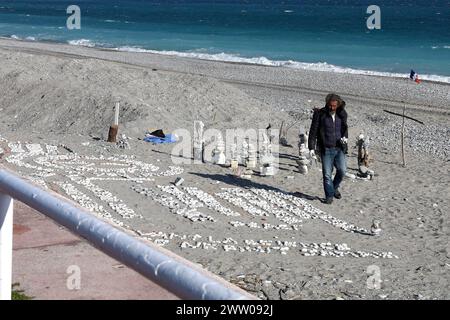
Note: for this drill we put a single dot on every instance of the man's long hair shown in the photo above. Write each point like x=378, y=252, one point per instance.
x=333, y=97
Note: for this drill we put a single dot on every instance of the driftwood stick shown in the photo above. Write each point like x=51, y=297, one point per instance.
x=402, y=115
x=281, y=129
x=403, y=137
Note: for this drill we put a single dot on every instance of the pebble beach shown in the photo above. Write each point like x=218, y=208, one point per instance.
x=271, y=236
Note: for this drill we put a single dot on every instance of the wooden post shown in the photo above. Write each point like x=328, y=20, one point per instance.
x=112, y=134
x=116, y=114
x=403, y=128
x=403, y=136
x=281, y=130
x=114, y=128
x=283, y=134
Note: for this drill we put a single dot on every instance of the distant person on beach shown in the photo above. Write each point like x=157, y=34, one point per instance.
x=329, y=133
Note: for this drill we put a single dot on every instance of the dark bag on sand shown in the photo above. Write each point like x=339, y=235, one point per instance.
x=158, y=133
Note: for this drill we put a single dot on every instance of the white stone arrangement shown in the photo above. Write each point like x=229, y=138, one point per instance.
x=284, y=247
x=181, y=204
x=276, y=199
x=87, y=203
x=241, y=203
x=340, y=250
x=266, y=226
x=210, y=202
x=18, y=155
x=83, y=170
x=313, y=212
x=261, y=246
x=116, y=204
x=269, y=209
x=50, y=161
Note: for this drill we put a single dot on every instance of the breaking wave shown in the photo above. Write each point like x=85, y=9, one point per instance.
x=318, y=66
x=226, y=57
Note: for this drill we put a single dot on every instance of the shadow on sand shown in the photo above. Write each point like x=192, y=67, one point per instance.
x=246, y=183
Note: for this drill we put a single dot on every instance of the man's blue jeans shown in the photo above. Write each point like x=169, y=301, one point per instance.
x=332, y=157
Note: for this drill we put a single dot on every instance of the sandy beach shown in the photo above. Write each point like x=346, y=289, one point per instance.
x=57, y=104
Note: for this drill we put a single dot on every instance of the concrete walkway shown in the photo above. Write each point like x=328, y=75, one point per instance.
x=46, y=259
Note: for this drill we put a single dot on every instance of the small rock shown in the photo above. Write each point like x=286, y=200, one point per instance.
x=350, y=175
x=376, y=227
x=178, y=181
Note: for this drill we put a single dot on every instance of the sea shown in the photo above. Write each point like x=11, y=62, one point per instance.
x=325, y=35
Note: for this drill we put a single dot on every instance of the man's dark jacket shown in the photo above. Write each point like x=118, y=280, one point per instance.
x=326, y=132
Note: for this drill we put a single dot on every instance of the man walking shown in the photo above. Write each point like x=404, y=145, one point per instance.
x=329, y=132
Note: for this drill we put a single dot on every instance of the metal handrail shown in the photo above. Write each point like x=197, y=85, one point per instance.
x=168, y=270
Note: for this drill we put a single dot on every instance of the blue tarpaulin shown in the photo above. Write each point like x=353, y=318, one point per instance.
x=170, y=138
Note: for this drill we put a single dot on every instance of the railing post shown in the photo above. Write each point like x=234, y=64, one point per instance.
x=6, y=235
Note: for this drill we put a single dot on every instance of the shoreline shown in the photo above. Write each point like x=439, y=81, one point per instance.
x=358, y=72
x=428, y=96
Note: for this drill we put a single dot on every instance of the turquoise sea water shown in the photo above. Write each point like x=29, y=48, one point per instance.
x=322, y=35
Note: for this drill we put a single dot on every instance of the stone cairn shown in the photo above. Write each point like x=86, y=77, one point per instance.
x=244, y=151
x=363, y=158
x=252, y=156
x=234, y=163
x=218, y=154
x=198, y=141
x=376, y=227
x=363, y=151
x=266, y=157
x=247, y=155
x=303, y=162
x=250, y=160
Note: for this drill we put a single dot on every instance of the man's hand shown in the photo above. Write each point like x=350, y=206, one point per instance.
x=344, y=145
x=312, y=154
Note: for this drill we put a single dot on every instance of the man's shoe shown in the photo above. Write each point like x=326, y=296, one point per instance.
x=329, y=200
x=337, y=194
